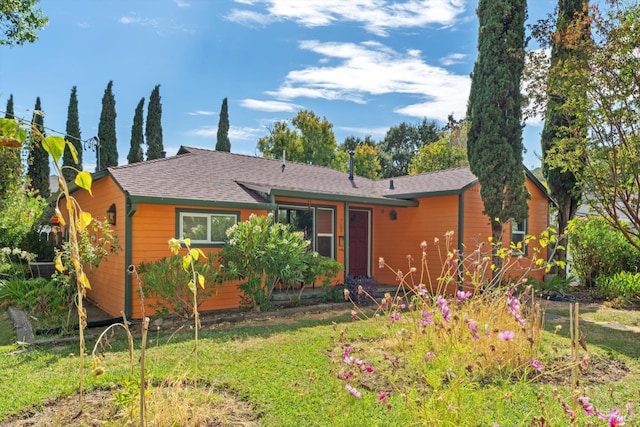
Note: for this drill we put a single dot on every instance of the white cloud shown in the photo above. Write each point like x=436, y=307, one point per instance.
x=235, y=133
x=370, y=69
x=452, y=59
x=249, y=18
x=269, y=106
x=376, y=16
x=201, y=113
x=376, y=132
x=161, y=27
x=182, y=3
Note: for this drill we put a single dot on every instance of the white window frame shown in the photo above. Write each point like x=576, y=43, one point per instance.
x=208, y=216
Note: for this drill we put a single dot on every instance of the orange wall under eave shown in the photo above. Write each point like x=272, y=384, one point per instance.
x=433, y=218
x=395, y=240
x=152, y=226
x=107, y=282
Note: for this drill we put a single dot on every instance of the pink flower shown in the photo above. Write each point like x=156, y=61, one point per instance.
x=587, y=406
x=394, y=317
x=353, y=391
x=346, y=294
x=423, y=245
x=536, y=364
x=426, y=319
x=382, y=397
x=506, y=335
x=615, y=419
x=462, y=295
x=399, y=275
x=473, y=328
x=346, y=351
x=430, y=355
x=446, y=313
x=380, y=262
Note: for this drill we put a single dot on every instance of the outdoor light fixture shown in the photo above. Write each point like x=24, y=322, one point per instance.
x=393, y=215
x=111, y=214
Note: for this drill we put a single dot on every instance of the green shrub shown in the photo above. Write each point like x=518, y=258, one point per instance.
x=623, y=285
x=164, y=280
x=263, y=253
x=597, y=249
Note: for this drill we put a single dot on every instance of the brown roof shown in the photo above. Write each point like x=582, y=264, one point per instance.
x=207, y=175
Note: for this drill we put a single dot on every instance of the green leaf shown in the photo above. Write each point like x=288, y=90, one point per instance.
x=84, y=180
x=192, y=286
x=74, y=152
x=54, y=145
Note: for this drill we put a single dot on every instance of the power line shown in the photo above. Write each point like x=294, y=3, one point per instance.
x=22, y=119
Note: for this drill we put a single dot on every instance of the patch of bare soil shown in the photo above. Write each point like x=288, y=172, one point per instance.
x=164, y=408
x=592, y=370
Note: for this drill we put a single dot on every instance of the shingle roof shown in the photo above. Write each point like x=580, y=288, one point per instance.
x=205, y=175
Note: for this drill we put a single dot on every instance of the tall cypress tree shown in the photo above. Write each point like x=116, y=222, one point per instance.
x=564, y=52
x=223, y=143
x=494, y=110
x=137, y=136
x=38, y=158
x=73, y=136
x=108, y=143
x=10, y=167
x=153, y=130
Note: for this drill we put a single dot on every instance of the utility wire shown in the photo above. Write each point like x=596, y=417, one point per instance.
x=52, y=130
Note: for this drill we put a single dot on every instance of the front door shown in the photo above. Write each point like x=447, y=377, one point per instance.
x=358, y=243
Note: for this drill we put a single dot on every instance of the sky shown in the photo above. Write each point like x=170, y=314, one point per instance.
x=364, y=65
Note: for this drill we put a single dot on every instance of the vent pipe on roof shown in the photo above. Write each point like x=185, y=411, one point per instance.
x=391, y=187
x=284, y=159
x=163, y=154
x=351, y=165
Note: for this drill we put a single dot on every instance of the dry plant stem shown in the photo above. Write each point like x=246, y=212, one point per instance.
x=143, y=346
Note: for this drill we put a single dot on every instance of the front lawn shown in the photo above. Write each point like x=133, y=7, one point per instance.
x=292, y=373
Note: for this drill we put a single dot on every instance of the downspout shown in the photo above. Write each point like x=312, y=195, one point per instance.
x=346, y=240
x=460, y=239
x=128, y=248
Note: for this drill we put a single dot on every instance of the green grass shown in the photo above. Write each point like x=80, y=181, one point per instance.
x=285, y=372
x=7, y=330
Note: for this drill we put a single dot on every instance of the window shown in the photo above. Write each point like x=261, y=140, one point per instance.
x=316, y=223
x=518, y=236
x=205, y=227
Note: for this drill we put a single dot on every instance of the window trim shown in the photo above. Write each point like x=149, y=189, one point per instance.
x=314, y=228
x=208, y=213
x=519, y=232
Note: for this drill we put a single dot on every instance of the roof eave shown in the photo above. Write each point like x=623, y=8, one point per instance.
x=343, y=198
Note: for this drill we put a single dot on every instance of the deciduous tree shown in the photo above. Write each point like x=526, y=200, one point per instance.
x=565, y=50
x=494, y=112
x=72, y=134
x=223, y=143
x=605, y=97
x=401, y=143
x=19, y=21
x=137, y=136
x=108, y=143
x=153, y=130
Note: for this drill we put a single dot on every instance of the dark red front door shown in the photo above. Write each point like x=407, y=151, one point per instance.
x=358, y=243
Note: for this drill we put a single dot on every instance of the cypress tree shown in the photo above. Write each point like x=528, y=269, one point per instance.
x=10, y=167
x=73, y=136
x=38, y=158
x=108, y=144
x=137, y=136
x=223, y=143
x=562, y=183
x=153, y=130
x=494, y=111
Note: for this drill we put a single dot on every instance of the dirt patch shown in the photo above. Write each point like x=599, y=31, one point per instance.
x=592, y=370
x=166, y=406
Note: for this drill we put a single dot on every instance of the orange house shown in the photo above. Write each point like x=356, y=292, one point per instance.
x=198, y=193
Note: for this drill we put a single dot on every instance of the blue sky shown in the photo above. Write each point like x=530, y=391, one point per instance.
x=365, y=65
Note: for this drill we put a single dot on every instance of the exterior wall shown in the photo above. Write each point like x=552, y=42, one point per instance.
x=477, y=228
x=152, y=226
x=107, y=282
x=395, y=240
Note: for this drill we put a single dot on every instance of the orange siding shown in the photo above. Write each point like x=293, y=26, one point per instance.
x=107, y=282
x=395, y=240
x=152, y=226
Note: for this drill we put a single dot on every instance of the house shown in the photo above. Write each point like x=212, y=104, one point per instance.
x=199, y=193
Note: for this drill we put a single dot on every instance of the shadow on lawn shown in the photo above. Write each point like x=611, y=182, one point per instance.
x=609, y=339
